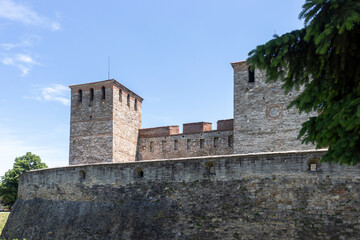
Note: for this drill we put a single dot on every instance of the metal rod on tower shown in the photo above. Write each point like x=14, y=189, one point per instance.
x=108, y=67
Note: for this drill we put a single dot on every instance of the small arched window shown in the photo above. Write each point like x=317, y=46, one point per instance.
x=128, y=100
x=135, y=105
x=80, y=96
x=91, y=94
x=103, y=92
x=120, y=95
x=251, y=75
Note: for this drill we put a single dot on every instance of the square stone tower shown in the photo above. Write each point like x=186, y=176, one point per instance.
x=261, y=121
x=104, y=124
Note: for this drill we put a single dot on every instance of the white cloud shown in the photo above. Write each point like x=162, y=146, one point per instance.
x=21, y=61
x=57, y=92
x=21, y=13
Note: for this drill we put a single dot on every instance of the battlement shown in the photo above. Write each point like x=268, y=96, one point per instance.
x=159, y=131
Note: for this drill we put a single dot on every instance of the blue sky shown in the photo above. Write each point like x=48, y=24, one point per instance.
x=175, y=54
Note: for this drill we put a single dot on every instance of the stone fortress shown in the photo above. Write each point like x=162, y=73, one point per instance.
x=106, y=124
x=248, y=179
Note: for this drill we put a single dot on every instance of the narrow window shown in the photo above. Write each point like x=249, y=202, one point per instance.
x=139, y=172
x=103, y=92
x=202, y=143
x=135, y=105
x=128, y=100
x=151, y=146
x=216, y=140
x=80, y=96
x=120, y=95
x=188, y=142
x=230, y=141
x=91, y=94
x=163, y=145
x=251, y=75
x=82, y=174
x=175, y=144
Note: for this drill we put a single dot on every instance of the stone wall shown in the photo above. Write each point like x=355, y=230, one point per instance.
x=91, y=124
x=186, y=145
x=254, y=196
x=103, y=128
x=127, y=122
x=197, y=139
x=261, y=121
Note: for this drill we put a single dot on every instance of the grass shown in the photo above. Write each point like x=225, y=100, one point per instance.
x=3, y=217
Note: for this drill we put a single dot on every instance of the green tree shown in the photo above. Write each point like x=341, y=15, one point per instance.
x=10, y=182
x=324, y=58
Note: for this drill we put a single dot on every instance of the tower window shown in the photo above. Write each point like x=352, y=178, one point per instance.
x=216, y=139
x=188, y=141
x=151, y=146
x=128, y=100
x=103, y=92
x=175, y=144
x=91, y=94
x=163, y=145
x=120, y=95
x=251, y=75
x=135, y=105
x=230, y=141
x=80, y=96
x=202, y=143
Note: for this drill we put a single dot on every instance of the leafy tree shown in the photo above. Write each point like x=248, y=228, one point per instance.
x=324, y=58
x=10, y=182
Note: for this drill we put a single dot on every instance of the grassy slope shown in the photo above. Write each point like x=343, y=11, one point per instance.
x=3, y=218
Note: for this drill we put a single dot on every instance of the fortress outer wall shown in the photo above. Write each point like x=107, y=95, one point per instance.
x=253, y=196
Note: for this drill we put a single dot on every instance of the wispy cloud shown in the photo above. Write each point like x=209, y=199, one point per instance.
x=23, y=62
x=24, y=42
x=24, y=14
x=57, y=93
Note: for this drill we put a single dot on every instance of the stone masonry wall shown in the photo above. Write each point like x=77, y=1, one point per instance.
x=127, y=122
x=186, y=145
x=261, y=121
x=254, y=196
x=91, y=124
x=104, y=130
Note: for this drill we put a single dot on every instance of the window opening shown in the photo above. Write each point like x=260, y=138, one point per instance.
x=91, y=94
x=139, y=172
x=103, y=92
x=188, y=141
x=251, y=75
x=151, y=146
x=202, y=143
x=135, y=105
x=163, y=145
x=216, y=139
x=128, y=100
x=82, y=174
x=230, y=140
x=175, y=144
x=120, y=95
x=80, y=96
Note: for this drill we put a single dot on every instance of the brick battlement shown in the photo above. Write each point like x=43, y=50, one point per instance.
x=188, y=128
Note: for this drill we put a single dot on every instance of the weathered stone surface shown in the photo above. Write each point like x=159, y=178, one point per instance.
x=262, y=122
x=255, y=196
x=104, y=128
x=186, y=145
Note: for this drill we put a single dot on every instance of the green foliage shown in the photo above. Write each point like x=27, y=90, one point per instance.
x=324, y=58
x=10, y=182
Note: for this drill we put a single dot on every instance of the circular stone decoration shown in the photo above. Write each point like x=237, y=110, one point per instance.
x=274, y=111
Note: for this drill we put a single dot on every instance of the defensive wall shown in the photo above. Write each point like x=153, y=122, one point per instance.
x=197, y=139
x=242, y=196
